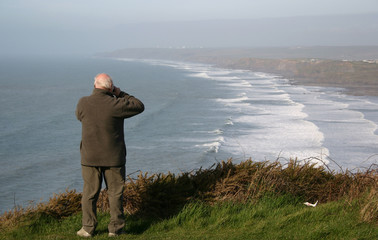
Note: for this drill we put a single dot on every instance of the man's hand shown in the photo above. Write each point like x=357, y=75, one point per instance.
x=116, y=91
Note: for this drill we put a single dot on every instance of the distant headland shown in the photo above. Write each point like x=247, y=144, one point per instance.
x=354, y=68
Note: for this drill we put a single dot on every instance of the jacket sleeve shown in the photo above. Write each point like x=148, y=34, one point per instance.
x=131, y=105
x=78, y=110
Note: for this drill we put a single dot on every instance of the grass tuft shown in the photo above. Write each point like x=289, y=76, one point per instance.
x=369, y=211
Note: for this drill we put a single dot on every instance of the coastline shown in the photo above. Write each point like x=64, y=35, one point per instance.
x=353, y=68
x=359, y=78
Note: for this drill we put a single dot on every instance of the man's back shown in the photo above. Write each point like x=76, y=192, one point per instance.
x=102, y=116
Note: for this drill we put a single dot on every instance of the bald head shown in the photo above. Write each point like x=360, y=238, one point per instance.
x=103, y=81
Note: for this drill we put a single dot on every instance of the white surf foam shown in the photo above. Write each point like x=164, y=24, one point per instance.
x=267, y=122
x=213, y=146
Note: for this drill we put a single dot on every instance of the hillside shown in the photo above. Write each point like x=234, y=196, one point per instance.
x=359, y=77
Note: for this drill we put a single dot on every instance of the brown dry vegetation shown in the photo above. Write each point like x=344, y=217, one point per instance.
x=162, y=195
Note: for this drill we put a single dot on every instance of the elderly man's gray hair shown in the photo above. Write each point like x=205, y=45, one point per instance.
x=103, y=80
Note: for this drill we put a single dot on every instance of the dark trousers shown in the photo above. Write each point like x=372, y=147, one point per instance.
x=114, y=179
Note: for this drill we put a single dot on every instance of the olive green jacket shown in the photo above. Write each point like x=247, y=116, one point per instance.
x=102, y=116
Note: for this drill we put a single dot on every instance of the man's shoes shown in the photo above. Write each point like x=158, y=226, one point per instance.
x=112, y=234
x=116, y=234
x=83, y=233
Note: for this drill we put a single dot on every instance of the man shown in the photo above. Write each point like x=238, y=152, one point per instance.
x=103, y=150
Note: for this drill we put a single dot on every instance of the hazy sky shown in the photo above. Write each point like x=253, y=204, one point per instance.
x=56, y=25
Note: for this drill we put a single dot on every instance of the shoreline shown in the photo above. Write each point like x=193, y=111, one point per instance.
x=358, y=78
x=353, y=68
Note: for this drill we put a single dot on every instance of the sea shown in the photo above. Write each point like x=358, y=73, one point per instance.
x=196, y=115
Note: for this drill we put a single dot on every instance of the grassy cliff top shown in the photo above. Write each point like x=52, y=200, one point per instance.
x=226, y=201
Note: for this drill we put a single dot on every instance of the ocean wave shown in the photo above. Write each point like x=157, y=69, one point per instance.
x=229, y=122
x=213, y=147
x=200, y=75
x=216, y=131
x=232, y=100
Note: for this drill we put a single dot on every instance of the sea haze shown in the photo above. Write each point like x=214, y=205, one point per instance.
x=196, y=115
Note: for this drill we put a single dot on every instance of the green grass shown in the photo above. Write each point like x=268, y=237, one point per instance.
x=274, y=217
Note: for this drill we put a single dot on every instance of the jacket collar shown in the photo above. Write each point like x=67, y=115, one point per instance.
x=101, y=91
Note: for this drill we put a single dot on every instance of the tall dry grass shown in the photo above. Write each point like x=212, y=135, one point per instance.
x=162, y=195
